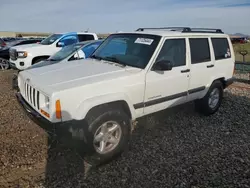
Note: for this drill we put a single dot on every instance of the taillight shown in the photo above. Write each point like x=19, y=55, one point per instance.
x=3, y=44
x=234, y=69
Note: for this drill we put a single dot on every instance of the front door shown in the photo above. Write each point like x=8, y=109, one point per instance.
x=168, y=88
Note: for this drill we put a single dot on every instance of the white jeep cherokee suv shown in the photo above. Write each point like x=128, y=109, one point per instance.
x=130, y=75
x=22, y=57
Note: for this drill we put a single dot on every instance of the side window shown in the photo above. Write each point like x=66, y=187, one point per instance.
x=89, y=49
x=68, y=40
x=200, y=51
x=221, y=48
x=173, y=50
x=84, y=37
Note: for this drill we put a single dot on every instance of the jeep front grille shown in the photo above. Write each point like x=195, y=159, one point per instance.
x=32, y=96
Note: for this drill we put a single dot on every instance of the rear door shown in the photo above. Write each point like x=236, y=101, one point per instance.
x=201, y=66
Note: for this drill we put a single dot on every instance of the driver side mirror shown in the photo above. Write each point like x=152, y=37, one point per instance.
x=60, y=44
x=163, y=65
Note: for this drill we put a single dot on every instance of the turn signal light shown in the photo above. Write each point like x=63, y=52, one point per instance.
x=45, y=113
x=58, y=110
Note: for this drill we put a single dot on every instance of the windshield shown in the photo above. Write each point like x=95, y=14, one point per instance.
x=65, y=52
x=51, y=39
x=128, y=49
x=90, y=48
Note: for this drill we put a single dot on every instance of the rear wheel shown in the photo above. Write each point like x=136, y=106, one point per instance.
x=210, y=104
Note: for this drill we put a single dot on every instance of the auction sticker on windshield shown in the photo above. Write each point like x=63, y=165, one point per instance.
x=144, y=41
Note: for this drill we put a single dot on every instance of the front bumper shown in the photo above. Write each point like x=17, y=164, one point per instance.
x=16, y=64
x=66, y=132
x=13, y=66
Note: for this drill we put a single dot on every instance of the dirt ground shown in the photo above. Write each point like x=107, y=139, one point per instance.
x=172, y=148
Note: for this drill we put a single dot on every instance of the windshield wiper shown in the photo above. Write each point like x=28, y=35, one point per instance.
x=114, y=59
x=96, y=57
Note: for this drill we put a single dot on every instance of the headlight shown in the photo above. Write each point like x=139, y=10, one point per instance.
x=22, y=54
x=47, y=102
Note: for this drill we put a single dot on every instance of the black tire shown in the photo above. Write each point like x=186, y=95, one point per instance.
x=202, y=105
x=14, y=82
x=94, y=120
x=4, y=64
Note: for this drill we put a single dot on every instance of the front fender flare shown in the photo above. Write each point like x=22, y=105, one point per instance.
x=87, y=104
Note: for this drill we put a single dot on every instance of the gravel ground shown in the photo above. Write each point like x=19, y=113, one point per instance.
x=173, y=148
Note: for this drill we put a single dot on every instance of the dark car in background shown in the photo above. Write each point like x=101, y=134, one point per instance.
x=2, y=43
x=4, y=51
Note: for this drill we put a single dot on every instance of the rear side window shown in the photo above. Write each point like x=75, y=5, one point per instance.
x=85, y=37
x=200, y=51
x=221, y=48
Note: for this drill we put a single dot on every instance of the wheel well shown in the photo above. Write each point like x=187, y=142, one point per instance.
x=121, y=104
x=39, y=57
x=223, y=81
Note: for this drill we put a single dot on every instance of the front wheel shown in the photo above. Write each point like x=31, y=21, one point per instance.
x=4, y=64
x=108, y=135
x=210, y=104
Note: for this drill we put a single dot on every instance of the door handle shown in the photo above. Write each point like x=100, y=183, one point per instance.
x=187, y=70
x=210, y=66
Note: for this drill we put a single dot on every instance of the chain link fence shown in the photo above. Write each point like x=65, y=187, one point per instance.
x=242, y=72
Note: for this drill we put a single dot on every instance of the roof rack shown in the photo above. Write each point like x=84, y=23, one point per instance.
x=184, y=29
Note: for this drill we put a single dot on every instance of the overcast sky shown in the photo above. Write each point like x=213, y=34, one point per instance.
x=104, y=16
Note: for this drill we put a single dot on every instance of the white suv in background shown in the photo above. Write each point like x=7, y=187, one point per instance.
x=94, y=101
x=22, y=57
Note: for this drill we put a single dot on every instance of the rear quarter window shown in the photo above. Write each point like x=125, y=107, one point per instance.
x=85, y=37
x=221, y=48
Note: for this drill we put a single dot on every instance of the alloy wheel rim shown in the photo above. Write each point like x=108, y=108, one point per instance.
x=214, y=98
x=107, y=137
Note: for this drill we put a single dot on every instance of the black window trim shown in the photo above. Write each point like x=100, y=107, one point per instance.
x=161, y=46
x=209, y=47
x=85, y=34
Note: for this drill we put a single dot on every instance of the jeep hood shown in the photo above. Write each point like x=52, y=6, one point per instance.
x=77, y=73
x=42, y=64
x=26, y=47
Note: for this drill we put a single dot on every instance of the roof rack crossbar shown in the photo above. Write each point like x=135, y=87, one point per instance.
x=184, y=29
x=164, y=28
x=206, y=30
